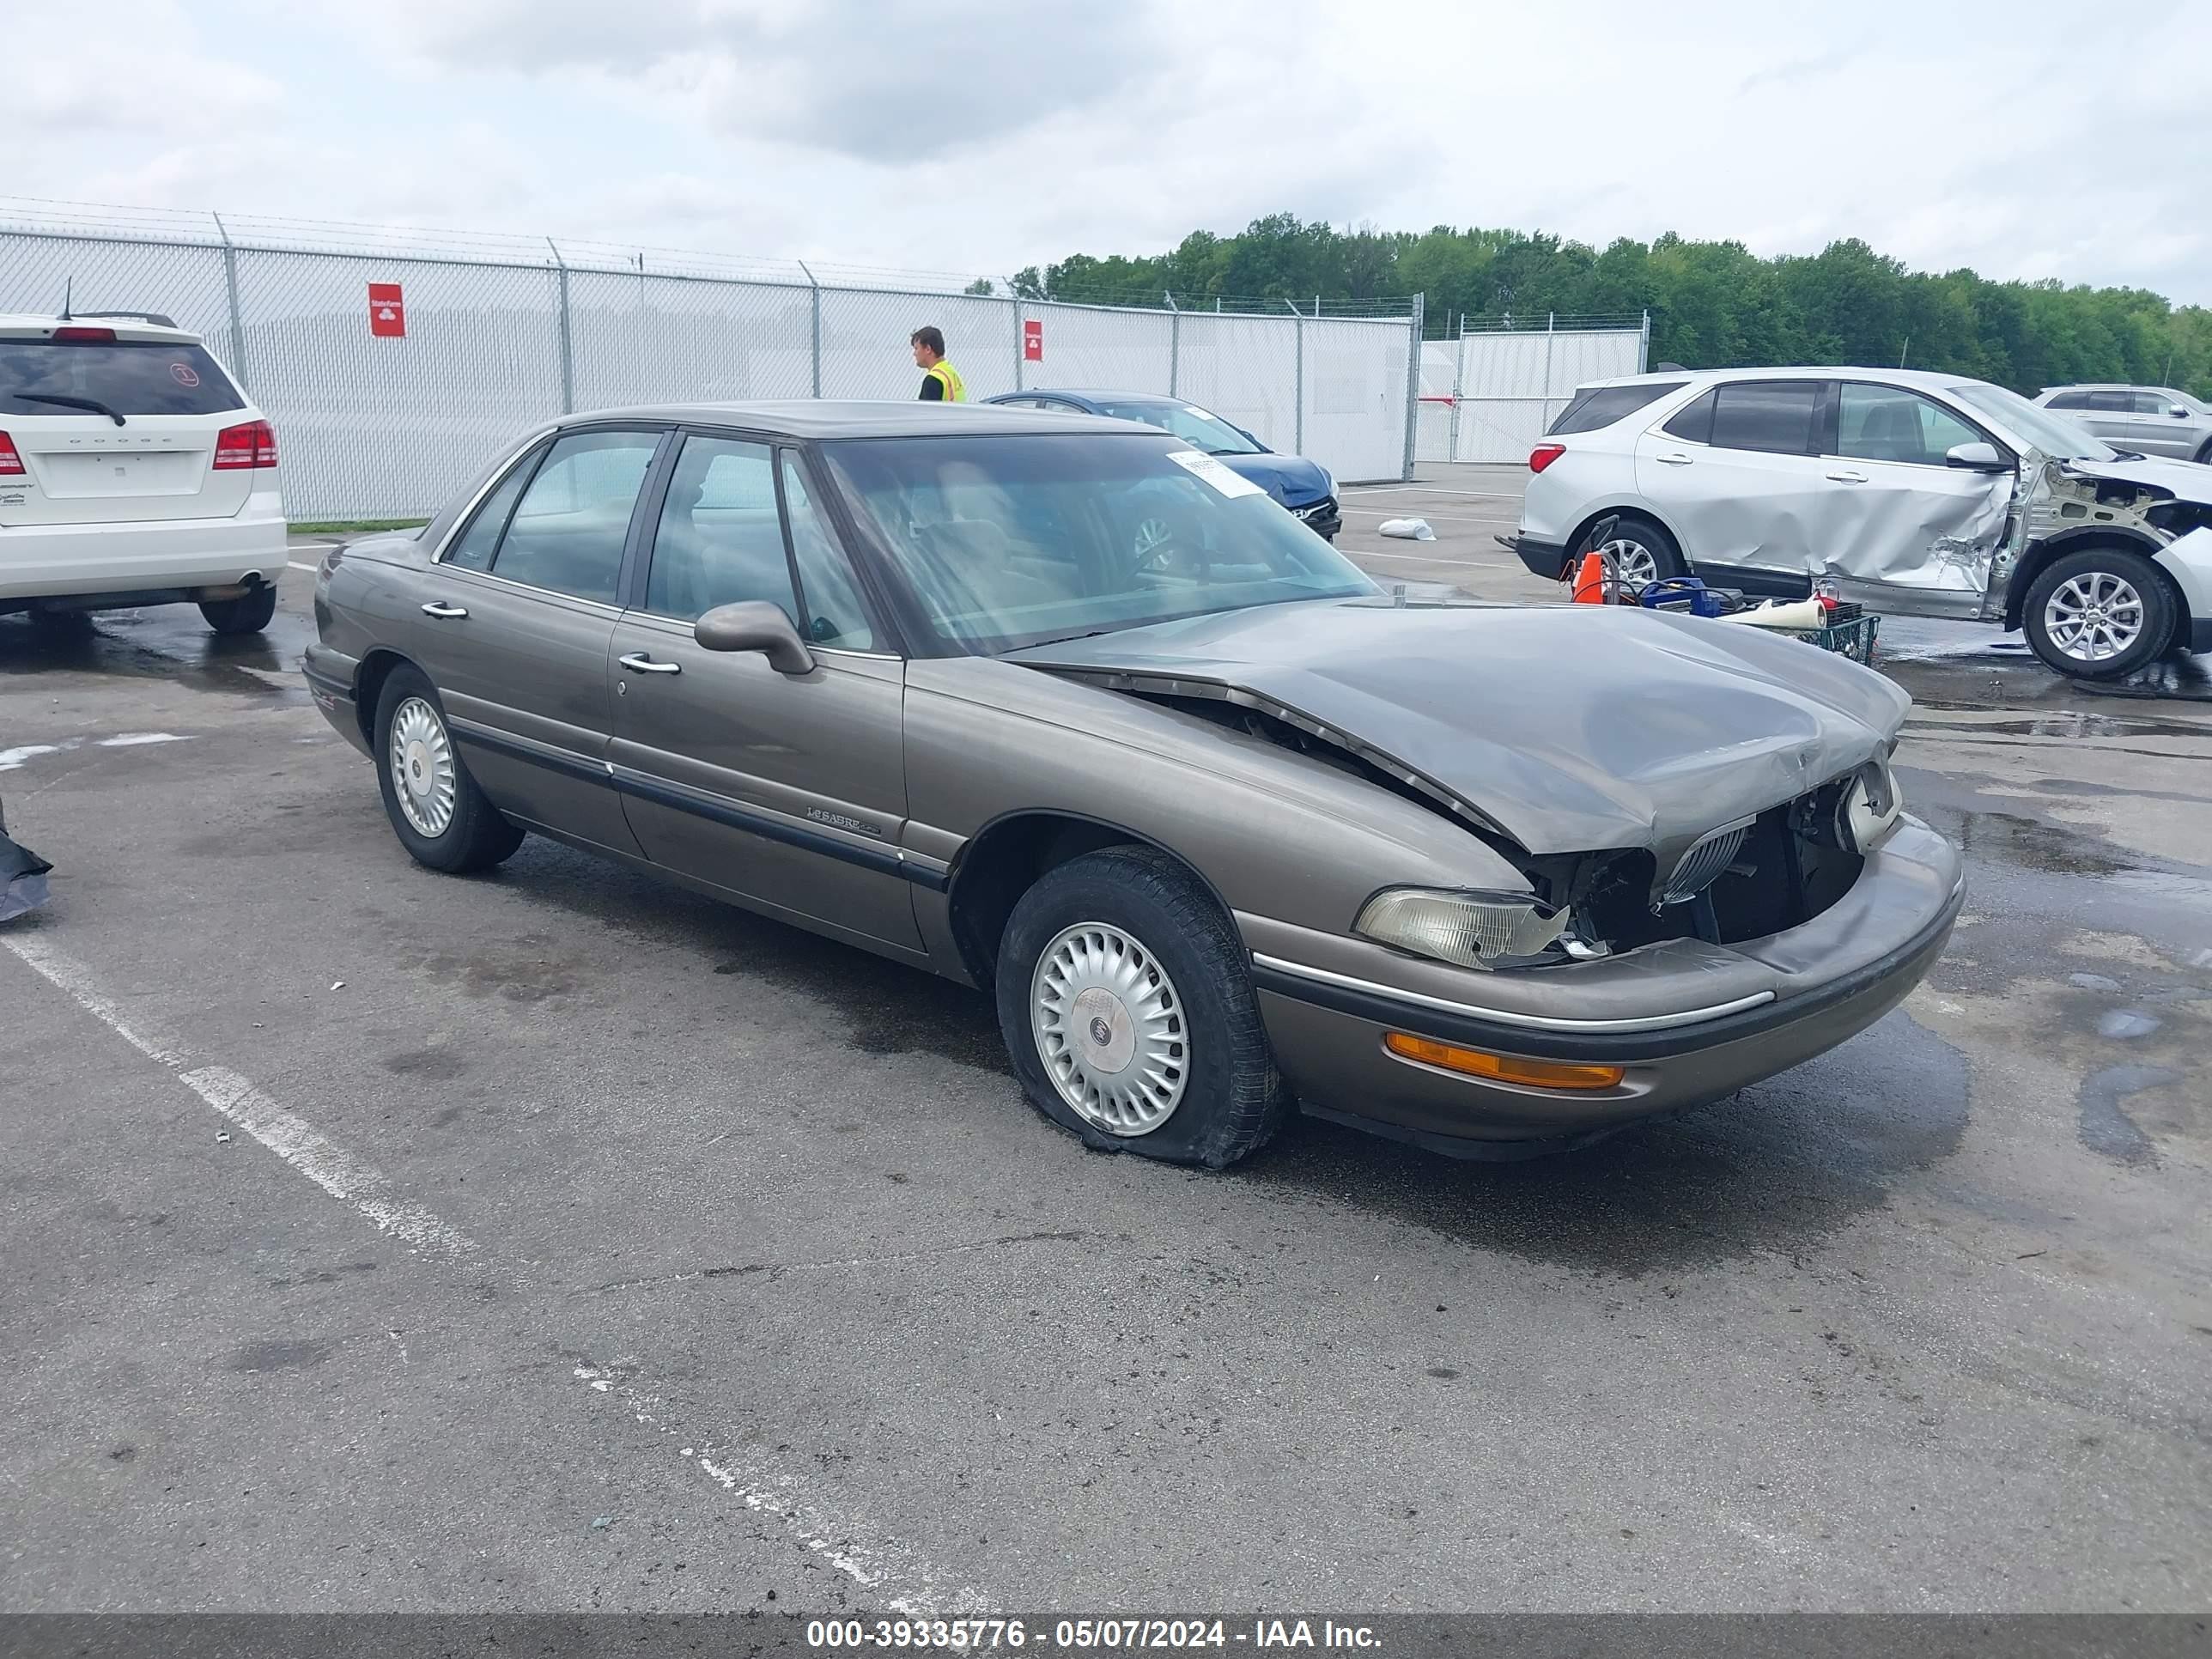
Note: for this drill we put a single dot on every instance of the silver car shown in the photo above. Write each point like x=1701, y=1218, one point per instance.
x=2147, y=420
x=1918, y=494
x=1062, y=708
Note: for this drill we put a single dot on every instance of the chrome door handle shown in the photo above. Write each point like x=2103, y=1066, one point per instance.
x=1848, y=478
x=1672, y=460
x=638, y=663
x=443, y=612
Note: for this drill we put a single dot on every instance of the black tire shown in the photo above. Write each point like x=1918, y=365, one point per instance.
x=1233, y=1100
x=248, y=615
x=1666, y=557
x=477, y=836
x=2203, y=456
x=2141, y=577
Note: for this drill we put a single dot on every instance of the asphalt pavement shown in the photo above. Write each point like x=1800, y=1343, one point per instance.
x=552, y=1240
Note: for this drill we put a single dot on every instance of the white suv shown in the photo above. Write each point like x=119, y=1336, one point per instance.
x=1920, y=494
x=132, y=472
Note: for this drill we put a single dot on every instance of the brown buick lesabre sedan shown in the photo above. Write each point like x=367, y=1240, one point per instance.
x=1060, y=707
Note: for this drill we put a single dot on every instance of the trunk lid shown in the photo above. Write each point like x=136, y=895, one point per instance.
x=1570, y=728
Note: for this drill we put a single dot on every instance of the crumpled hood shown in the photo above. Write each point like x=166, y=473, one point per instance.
x=1291, y=479
x=1572, y=728
x=2187, y=481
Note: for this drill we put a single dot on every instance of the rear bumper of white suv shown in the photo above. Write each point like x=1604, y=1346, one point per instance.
x=172, y=557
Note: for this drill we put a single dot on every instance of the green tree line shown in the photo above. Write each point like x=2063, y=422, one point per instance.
x=1712, y=304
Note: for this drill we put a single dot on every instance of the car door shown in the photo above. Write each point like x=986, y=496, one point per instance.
x=1734, y=474
x=2111, y=416
x=1903, y=519
x=2158, y=430
x=786, y=790
x=519, y=610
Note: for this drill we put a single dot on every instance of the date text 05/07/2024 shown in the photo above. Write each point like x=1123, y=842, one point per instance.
x=1087, y=1634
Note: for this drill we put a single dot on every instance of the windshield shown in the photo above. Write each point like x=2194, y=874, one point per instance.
x=127, y=377
x=1196, y=427
x=1016, y=538
x=2046, y=429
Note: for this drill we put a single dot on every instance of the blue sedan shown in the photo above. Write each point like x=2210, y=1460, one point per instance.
x=1302, y=486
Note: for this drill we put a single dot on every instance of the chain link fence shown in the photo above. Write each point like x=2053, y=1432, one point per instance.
x=500, y=333
x=1488, y=392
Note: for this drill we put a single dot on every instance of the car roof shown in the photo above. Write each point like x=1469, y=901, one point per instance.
x=128, y=325
x=812, y=418
x=1919, y=379
x=1092, y=395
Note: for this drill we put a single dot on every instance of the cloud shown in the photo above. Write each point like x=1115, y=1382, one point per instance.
x=878, y=80
x=954, y=134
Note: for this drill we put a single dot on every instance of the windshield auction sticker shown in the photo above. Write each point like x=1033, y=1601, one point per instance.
x=1221, y=477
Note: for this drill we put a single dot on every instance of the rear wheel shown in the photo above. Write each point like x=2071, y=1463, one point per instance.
x=1640, y=550
x=1129, y=1014
x=2099, y=614
x=247, y=615
x=441, y=817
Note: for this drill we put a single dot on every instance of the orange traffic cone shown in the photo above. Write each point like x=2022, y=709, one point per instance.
x=1589, y=580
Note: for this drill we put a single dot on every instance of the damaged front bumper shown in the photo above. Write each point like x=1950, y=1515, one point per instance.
x=1686, y=1021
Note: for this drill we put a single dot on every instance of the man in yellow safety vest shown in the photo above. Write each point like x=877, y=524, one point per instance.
x=940, y=381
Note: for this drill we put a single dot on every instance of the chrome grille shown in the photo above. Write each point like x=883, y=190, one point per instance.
x=1702, y=865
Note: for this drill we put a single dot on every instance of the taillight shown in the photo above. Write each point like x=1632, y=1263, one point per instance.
x=253, y=443
x=85, y=334
x=1544, y=454
x=11, y=464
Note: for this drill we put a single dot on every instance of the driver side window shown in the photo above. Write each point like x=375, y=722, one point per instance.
x=1889, y=423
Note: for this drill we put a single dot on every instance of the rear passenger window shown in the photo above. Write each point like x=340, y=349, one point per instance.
x=834, y=613
x=1693, y=421
x=473, y=550
x=1602, y=405
x=720, y=540
x=2069, y=400
x=1775, y=417
x=2113, y=403
x=568, y=532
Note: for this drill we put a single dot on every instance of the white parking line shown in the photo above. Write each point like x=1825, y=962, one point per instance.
x=1431, y=490
x=912, y=1586
x=1433, y=558
x=293, y=564
x=1440, y=518
x=329, y=1166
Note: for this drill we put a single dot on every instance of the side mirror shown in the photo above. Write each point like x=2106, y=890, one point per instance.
x=756, y=625
x=2177, y=411
x=1977, y=457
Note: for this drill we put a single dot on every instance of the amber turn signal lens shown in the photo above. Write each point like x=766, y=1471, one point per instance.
x=1502, y=1068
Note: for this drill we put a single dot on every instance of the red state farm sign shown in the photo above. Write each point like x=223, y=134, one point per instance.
x=1032, y=339
x=387, y=312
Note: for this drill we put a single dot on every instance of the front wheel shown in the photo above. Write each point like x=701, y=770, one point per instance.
x=441, y=817
x=248, y=614
x=1126, y=1008
x=2099, y=614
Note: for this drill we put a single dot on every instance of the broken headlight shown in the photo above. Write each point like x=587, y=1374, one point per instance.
x=1857, y=811
x=1470, y=930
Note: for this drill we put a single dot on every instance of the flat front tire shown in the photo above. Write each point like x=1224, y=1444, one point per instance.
x=441, y=817
x=1126, y=1008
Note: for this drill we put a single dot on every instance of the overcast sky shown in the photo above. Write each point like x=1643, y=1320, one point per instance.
x=2029, y=139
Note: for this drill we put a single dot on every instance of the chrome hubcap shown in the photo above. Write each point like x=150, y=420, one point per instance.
x=2093, y=617
x=1109, y=1028
x=1637, y=565
x=421, y=760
